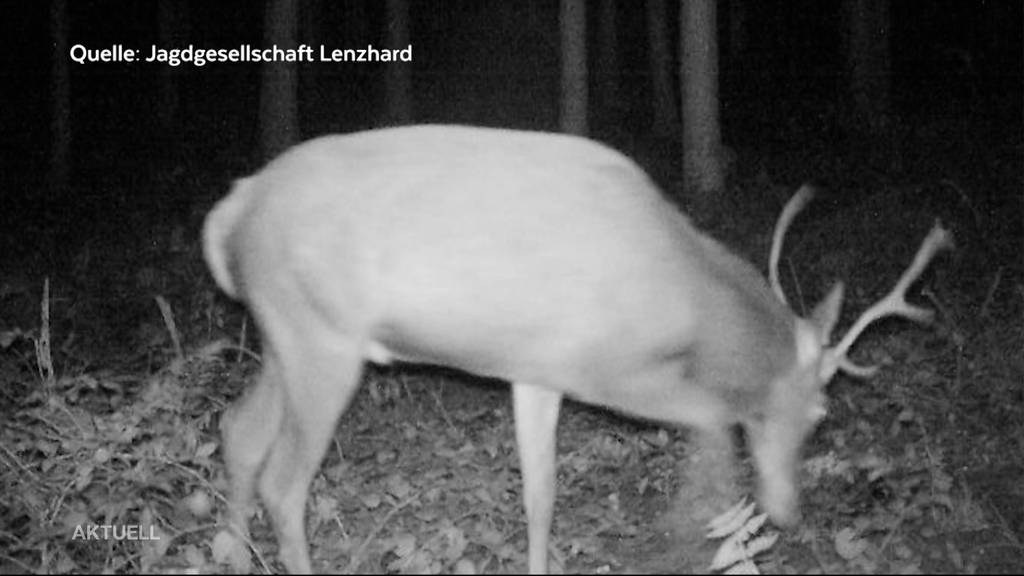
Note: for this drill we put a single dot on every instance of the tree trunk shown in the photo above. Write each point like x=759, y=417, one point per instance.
x=354, y=24
x=279, y=121
x=60, y=101
x=868, y=62
x=398, y=75
x=574, y=67
x=703, y=170
x=607, y=68
x=171, y=23
x=737, y=29
x=666, y=117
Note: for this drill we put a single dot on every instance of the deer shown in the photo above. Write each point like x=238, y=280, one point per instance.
x=549, y=261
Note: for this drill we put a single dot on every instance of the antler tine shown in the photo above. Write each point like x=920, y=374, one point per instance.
x=895, y=302
x=793, y=207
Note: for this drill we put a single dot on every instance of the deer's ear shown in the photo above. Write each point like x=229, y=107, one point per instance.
x=826, y=313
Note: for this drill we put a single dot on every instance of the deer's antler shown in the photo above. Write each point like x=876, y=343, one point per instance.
x=893, y=304
x=793, y=207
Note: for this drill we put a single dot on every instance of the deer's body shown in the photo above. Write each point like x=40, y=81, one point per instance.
x=549, y=261
x=583, y=282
